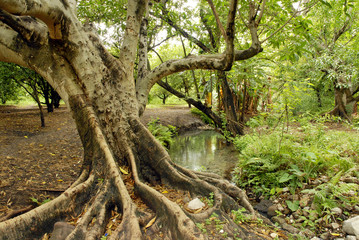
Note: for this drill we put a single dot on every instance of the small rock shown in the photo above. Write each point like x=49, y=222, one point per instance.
x=307, y=233
x=350, y=237
x=356, y=208
x=317, y=182
x=186, y=199
x=273, y=235
x=279, y=220
x=315, y=238
x=306, y=211
x=263, y=205
x=351, y=226
x=290, y=228
x=280, y=207
x=351, y=180
x=286, y=189
x=271, y=211
x=324, y=179
x=61, y=231
x=325, y=236
x=337, y=211
x=195, y=204
x=351, y=193
x=335, y=225
x=304, y=200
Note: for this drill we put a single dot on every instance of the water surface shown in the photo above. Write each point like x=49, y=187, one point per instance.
x=204, y=151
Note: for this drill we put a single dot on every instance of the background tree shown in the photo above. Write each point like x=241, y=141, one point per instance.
x=322, y=49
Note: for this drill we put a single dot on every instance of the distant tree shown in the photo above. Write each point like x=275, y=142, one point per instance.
x=9, y=90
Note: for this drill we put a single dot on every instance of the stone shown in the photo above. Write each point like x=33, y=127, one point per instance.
x=195, y=204
x=286, y=189
x=337, y=211
x=350, y=237
x=304, y=200
x=273, y=235
x=271, y=211
x=315, y=238
x=307, y=233
x=290, y=228
x=61, y=231
x=335, y=225
x=351, y=226
x=325, y=236
x=279, y=220
x=263, y=205
x=306, y=211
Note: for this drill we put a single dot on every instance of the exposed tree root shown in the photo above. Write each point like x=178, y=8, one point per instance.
x=101, y=188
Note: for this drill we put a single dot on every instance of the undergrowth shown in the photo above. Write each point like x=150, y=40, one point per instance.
x=203, y=116
x=162, y=133
x=291, y=157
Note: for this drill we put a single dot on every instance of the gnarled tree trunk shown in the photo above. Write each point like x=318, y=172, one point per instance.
x=101, y=93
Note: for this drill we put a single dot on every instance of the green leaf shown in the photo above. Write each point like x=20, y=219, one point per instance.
x=293, y=206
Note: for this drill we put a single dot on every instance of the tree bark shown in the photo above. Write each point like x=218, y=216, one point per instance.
x=100, y=91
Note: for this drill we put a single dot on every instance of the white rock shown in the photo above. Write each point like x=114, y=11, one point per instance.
x=351, y=226
x=315, y=238
x=335, y=225
x=350, y=237
x=337, y=211
x=195, y=204
x=274, y=235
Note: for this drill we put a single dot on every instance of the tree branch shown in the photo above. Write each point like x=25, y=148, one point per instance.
x=218, y=21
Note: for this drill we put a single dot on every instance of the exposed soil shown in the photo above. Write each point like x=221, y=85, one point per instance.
x=40, y=163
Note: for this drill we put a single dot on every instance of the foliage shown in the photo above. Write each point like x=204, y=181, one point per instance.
x=9, y=90
x=162, y=133
x=203, y=116
x=281, y=159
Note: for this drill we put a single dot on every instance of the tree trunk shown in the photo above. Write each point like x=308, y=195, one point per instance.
x=101, y=94
x=340, y=104
x=235, y=127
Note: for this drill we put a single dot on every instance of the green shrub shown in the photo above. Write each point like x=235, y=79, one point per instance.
x=203, y=116
x=281, y=159
x=162, y=133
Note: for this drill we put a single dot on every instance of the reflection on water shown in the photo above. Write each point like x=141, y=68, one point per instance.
x=203, y=151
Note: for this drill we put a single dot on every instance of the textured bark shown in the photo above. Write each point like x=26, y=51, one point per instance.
x=100, y=91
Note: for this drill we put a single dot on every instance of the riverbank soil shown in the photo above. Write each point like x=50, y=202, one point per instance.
x=37, y=164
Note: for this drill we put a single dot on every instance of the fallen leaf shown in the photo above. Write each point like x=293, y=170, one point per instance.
x=25, y=136
x=149, y=224
x=335, y=234
x=60, y=180
x=165, y=191
x=197, y=211
x=123, y=171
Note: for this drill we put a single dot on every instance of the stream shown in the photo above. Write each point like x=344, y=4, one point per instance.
x=204, y=151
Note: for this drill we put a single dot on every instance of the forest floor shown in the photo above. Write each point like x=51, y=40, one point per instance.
x=37, y=164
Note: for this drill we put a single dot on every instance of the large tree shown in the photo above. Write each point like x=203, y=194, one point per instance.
x=106, y=101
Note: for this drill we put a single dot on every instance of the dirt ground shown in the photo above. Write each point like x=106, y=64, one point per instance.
x=37, y=163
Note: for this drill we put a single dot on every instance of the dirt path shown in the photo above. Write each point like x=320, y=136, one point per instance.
x=40, y=163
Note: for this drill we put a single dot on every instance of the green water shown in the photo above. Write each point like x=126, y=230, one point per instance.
x=204, y=151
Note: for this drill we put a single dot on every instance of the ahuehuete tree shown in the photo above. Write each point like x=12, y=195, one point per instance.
x=106, y=102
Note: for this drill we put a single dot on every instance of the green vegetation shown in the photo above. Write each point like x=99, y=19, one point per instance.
x=162, y=133
x=278, y=159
